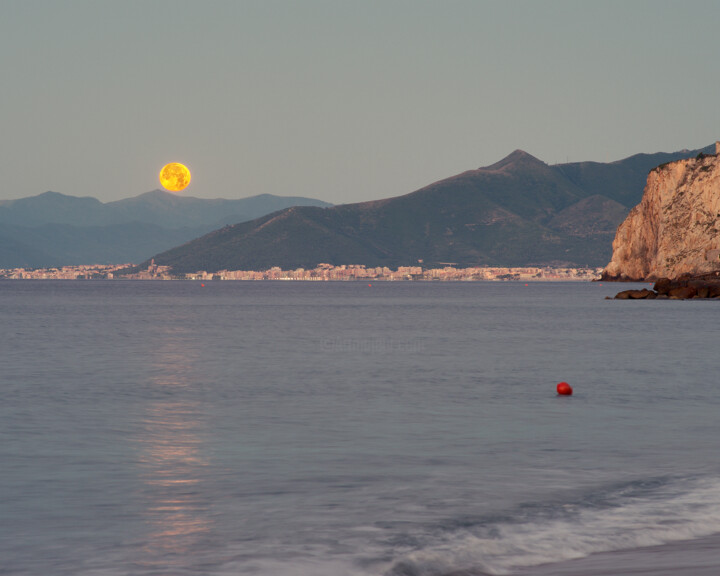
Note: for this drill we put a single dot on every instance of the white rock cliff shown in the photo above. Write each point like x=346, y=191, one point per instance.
x=675, y=229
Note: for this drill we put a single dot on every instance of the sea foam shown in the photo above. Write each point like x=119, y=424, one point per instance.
x=632, y=516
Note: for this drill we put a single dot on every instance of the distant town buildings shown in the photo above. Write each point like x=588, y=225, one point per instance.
x=84, y=272
x=322, y=272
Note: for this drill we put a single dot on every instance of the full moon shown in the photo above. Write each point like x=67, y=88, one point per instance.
x=174, y=177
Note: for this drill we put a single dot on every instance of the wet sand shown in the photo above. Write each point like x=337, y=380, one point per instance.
x=688, y=558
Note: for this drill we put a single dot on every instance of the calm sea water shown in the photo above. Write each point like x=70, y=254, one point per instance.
x=338, y=429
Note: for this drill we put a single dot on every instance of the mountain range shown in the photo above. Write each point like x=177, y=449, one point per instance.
x=54, y=229
x=517, y=212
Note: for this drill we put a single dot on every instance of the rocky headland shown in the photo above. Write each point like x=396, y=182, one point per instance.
x=674, y=233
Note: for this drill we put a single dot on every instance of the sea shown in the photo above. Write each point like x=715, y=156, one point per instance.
x=177, y=428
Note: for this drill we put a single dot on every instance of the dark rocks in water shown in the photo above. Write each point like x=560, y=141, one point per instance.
x=685, y=287
x=662, y=286
x=643, y=294
x=682, y=292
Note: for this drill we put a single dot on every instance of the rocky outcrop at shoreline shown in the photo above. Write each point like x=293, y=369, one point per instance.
x=675, y=229
x=684, y=288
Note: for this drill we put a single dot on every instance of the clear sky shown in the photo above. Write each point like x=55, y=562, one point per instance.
x=341, y=100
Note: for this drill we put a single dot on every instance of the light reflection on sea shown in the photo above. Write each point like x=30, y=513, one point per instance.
x=172, y=462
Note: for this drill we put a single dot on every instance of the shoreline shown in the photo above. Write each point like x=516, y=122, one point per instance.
x=321, y=273
x=698, y=557
x=684, y=288
x=317, y=280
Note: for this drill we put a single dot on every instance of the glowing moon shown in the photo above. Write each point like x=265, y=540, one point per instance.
x=174, y=177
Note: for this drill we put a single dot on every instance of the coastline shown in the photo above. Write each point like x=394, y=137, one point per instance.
x=321, y=273
x=700, y=557
x=683, y=288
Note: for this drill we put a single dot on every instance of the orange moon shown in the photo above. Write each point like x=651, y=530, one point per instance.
x=174, y=177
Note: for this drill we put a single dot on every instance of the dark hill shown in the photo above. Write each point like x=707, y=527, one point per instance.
x=54, y=229
x=54, y=245
x=624, y=180
x=519, y=211
x=51, y=207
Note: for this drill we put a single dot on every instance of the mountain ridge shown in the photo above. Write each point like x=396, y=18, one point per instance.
x=55, y=229
x=514, y=212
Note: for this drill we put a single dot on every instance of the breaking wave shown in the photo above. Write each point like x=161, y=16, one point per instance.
x=632, y=515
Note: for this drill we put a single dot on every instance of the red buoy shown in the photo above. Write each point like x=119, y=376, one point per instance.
x=564, y=389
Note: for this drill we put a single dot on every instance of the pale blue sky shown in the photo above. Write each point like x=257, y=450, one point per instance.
x=338, y=100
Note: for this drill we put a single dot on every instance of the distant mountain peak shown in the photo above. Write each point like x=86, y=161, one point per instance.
x=516, y=158
x=53, y=198
x=50, y=195
x=159, y=193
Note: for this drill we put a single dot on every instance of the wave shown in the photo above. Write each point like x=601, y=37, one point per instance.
x=631, y=515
